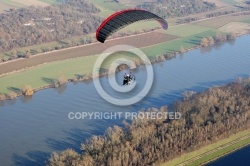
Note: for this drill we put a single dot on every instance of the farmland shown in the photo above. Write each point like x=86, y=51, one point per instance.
x=82, y=65
x=239, y=27
x=107, y=8
x=78, y=59
x=44, y=69
x=39, y=47
x=45, y=74
x=111, y=7
x=246, y=21
x=5, y=5
x=222, y=20
x=231, y=2
x=175, y=45
x=143, y=25
x=92, y=49
x=186, y=30
x=152, y=43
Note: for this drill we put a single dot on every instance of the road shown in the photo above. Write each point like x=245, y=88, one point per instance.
x=137, y=40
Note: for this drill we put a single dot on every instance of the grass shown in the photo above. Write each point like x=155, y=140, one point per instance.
x=230, y=2
x=221, y=21
x=220, y=152
x=107, y=8
x=7, y=4
x=136, y=26
x=141, y=25
x=246, y=21
x=45, y=74
x=37, y=75
x=83, y=65
x=190, y=36
x=44, y=45
x=50, y=1
x=186, y=30
x=195, y=153
x=11, y=3
x=172, y=46
x=4, y=7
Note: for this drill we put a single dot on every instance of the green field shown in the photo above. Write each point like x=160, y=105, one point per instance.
x=221, y=21
x=143, y=25
x=36, y=76
x=220, y=153
x=231, y=2
x=195, y=153
x=107, y=8
x=5, y=5
x=44, y=45
x=180, y=30
x=51, y=1
x=83, y=65
x=186, y=30
x=190, y=36
x=173, y=46
x=246, y=21
x=45, y=74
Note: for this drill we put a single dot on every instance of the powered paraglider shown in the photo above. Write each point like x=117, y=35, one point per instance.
x=124, y=18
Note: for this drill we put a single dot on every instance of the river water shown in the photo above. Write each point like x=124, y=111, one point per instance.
x=240, y=157
x=32, y=128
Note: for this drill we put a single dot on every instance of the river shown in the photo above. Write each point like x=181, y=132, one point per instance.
x=239, y=157
x=32, y=128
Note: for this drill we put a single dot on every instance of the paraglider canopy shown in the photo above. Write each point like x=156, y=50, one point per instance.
x=123, y=18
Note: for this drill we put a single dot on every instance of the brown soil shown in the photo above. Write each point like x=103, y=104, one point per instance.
x=141, y=40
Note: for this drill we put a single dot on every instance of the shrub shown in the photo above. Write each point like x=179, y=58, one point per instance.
x=210, y=40
x=204, y=42
x=2, y=96
x=12, y=95
x=61, y=80
x=27, y=90
x=4, y=59
x=231, y=36
x=182, y=49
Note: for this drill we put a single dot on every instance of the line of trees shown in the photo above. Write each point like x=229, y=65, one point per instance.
x=35, y=25
x=218, y=37
x=206, y=117
x=66, y=44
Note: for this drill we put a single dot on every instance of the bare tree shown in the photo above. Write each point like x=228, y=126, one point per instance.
x=204, y=42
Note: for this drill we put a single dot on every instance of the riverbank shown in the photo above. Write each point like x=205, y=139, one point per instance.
x=44, y=116
x=80, y=78
x=227, y=151
x=186, y=37
x=17, y=91
x=204, y=121
x=212, y=152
